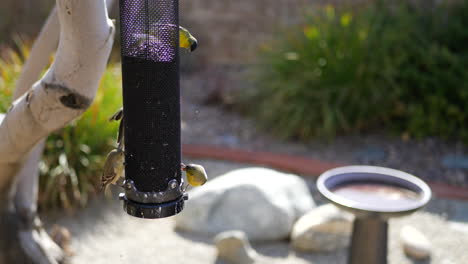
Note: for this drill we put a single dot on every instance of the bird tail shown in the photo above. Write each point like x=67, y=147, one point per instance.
x=107, y=192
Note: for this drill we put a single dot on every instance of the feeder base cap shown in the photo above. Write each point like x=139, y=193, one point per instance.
x=152, y=210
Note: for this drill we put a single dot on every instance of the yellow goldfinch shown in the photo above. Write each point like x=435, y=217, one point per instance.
x=186, y=40
x=116, y=117
x=113, y=168
x=196, y=174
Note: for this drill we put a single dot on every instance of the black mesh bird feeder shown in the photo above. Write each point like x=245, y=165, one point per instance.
x=151, y=105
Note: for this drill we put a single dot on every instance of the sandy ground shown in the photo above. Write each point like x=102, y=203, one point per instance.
x=103, y=233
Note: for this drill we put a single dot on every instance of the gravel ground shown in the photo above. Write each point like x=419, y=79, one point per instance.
x=212, y=124
x=103, y=233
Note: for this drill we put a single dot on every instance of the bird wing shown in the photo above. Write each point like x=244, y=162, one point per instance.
x=117, y=116
x=121, y=134
x=107, y=178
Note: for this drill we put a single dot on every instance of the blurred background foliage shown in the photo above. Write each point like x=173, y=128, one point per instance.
x=393, y=66
x=22, y=16
x=72, y=163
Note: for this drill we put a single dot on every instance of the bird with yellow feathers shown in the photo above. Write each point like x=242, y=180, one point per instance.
x=195, y=174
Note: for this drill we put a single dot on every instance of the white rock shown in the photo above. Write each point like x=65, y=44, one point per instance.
x=459, y=227
x=234, y=247
x=261, y=202
x=325, y=228
x=414, y=243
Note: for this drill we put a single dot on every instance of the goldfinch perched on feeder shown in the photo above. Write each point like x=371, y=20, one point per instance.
x=118, y=117
x=186, y=40
x=196, y=174
x=113, y=168
x=114, y=165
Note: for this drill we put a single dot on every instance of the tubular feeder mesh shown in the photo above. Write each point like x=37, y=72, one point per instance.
x=151, y=94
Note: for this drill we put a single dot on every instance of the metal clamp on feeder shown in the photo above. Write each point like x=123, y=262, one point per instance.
x=151, y=108
x=153, y=204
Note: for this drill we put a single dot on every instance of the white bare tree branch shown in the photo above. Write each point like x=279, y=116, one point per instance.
x=64, y=93
x=45, y=44
x=25, y=197
x=66, y=90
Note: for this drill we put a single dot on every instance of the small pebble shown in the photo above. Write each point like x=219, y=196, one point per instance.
x=234, y=247
x=414, y=243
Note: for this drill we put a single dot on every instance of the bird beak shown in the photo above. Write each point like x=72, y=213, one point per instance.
x=193, y=46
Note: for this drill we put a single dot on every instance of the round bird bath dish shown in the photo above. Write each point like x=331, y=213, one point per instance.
x=373, y=195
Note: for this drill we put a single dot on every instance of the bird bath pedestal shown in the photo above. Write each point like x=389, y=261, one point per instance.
x=373, y=195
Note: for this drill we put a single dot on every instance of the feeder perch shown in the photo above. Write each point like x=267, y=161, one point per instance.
x=373, y=195
x=151, y=103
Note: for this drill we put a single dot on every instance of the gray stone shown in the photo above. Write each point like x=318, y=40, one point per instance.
x=414, y=243
x=325, y=228
x=261, y=202
x=459, y=227
x=234, y=247
x=370, y=154
x=455, y=161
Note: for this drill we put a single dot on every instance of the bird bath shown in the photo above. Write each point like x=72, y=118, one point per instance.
x=373, y=195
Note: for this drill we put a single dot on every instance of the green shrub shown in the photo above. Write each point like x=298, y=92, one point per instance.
x=356, y=69
x=73, y=158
